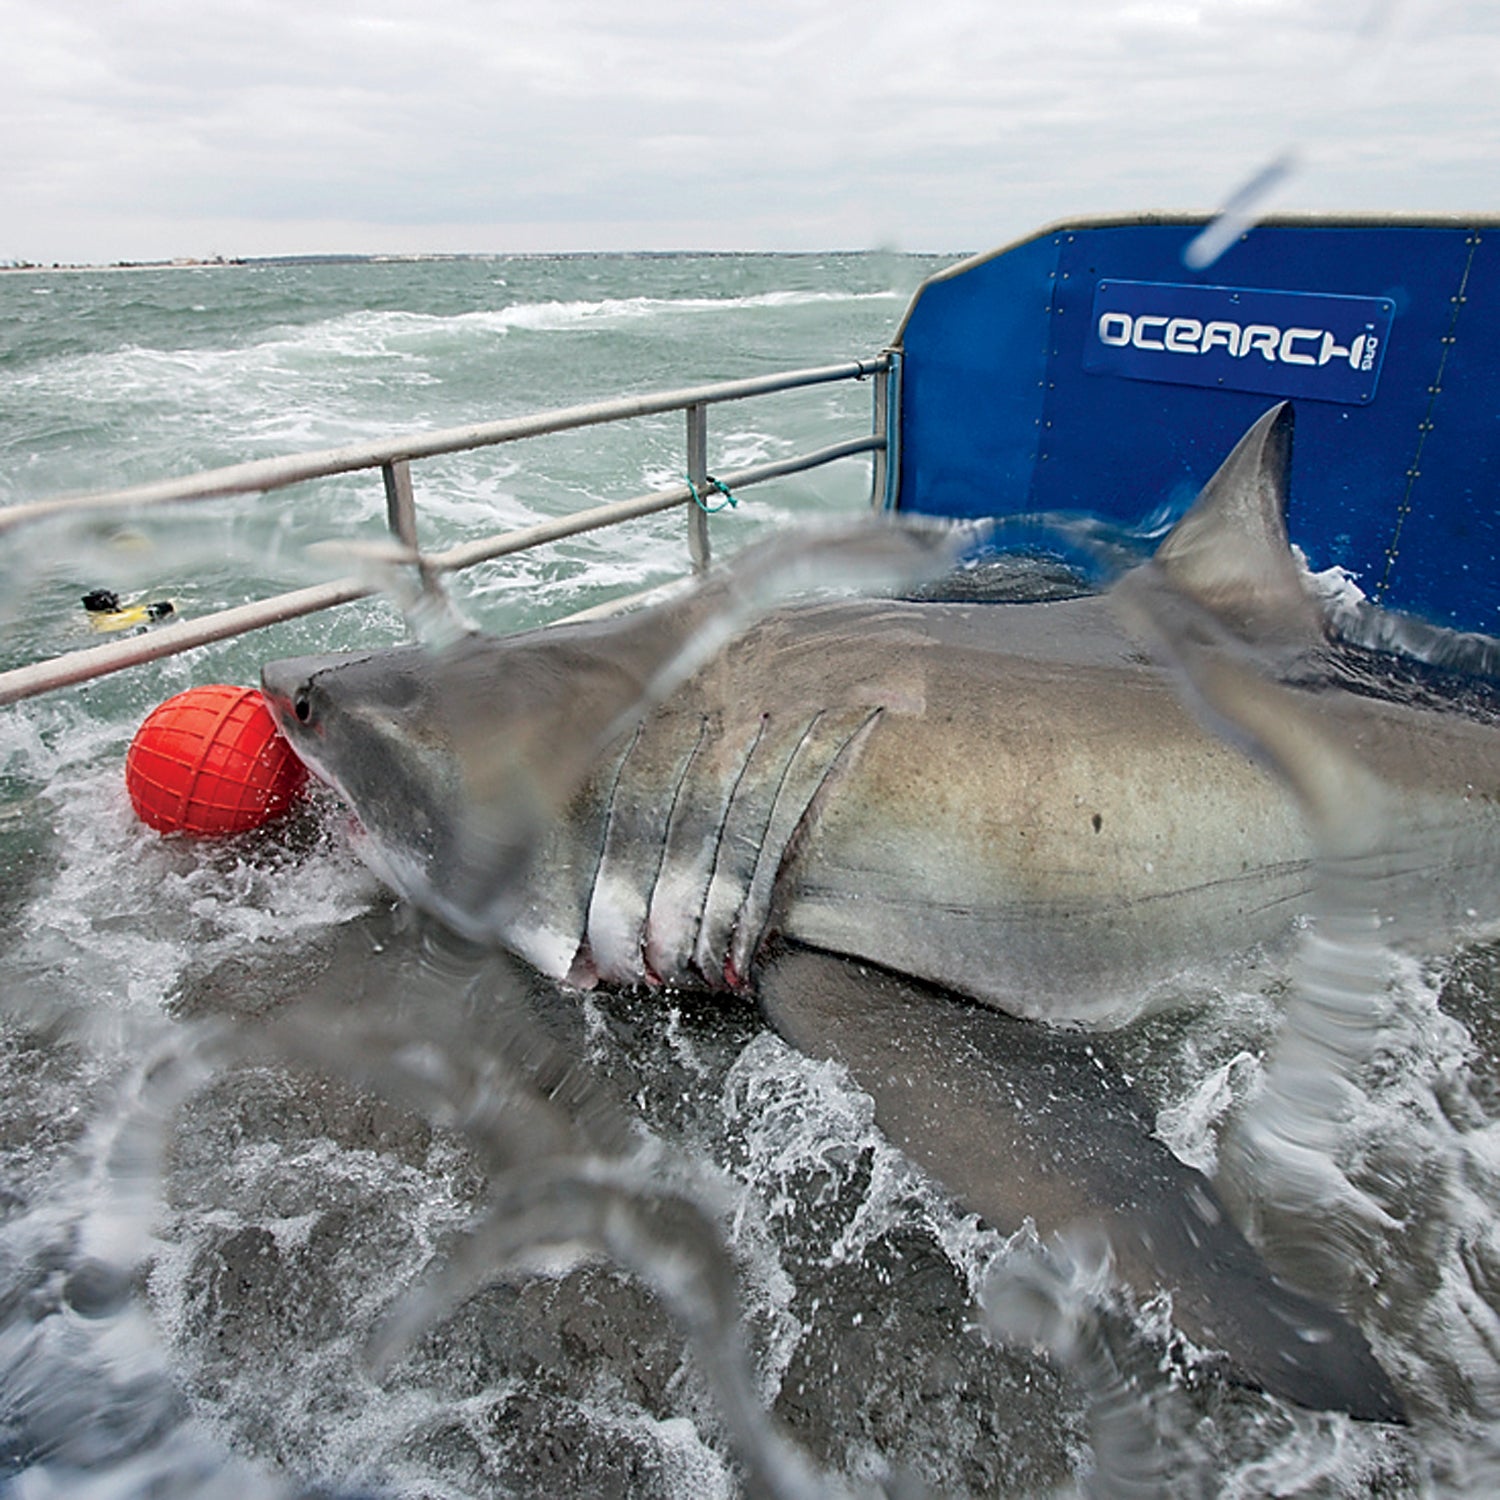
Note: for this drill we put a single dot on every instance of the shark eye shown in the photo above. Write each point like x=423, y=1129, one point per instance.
x=302, y=706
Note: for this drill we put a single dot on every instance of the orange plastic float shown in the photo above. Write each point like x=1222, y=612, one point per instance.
x=211, y=761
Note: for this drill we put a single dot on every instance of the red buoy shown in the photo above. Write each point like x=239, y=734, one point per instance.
x=211, y=761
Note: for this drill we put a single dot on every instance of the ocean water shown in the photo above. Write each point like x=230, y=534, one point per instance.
x=222, y=1228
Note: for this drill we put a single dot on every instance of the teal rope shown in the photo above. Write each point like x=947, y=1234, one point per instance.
x=711, y=485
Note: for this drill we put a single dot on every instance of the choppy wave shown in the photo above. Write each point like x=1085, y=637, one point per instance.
x=552, y=317
x=333, y=357
x=384, y=334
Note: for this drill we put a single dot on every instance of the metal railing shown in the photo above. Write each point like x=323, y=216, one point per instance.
x=394, y=457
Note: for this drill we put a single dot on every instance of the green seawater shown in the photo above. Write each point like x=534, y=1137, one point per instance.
x=120, y=377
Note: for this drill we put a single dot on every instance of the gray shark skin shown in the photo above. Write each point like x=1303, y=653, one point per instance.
x=1005, y=802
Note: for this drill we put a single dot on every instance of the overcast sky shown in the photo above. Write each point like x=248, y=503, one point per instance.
x=157, y=128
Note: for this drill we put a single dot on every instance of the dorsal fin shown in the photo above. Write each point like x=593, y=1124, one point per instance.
x=1230, y=552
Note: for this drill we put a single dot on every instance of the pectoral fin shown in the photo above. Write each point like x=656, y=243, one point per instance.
x=1020, y=1121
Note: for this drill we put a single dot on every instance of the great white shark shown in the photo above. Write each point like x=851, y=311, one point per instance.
x=914, y=829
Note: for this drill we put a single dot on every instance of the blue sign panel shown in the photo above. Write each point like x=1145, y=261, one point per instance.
x=1000, y=415
x=1306, y=345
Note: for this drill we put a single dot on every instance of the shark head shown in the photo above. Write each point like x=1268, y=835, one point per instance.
x=456, y=759
x=371, y=727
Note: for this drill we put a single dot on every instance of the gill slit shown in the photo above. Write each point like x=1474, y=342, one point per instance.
x=837, y=764
x=719, y=832
x=765, y=828
x=686, y=770
x=607, y=827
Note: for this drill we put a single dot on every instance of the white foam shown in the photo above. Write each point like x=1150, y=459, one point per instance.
x=1190, y=1128
x=561, y=316
x=128, y=911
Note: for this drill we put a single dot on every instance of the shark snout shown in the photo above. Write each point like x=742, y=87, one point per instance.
x=284, y=685
x=294, y=687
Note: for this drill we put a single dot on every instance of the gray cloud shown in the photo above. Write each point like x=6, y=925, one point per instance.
x=156, y=127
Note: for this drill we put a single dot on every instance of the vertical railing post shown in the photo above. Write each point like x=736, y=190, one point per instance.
x=400, y=503
x=881, y=429
x=401, y=517
x=697, y=468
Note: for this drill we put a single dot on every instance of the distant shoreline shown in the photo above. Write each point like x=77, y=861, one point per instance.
x=222, y=262
x=217, y=262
